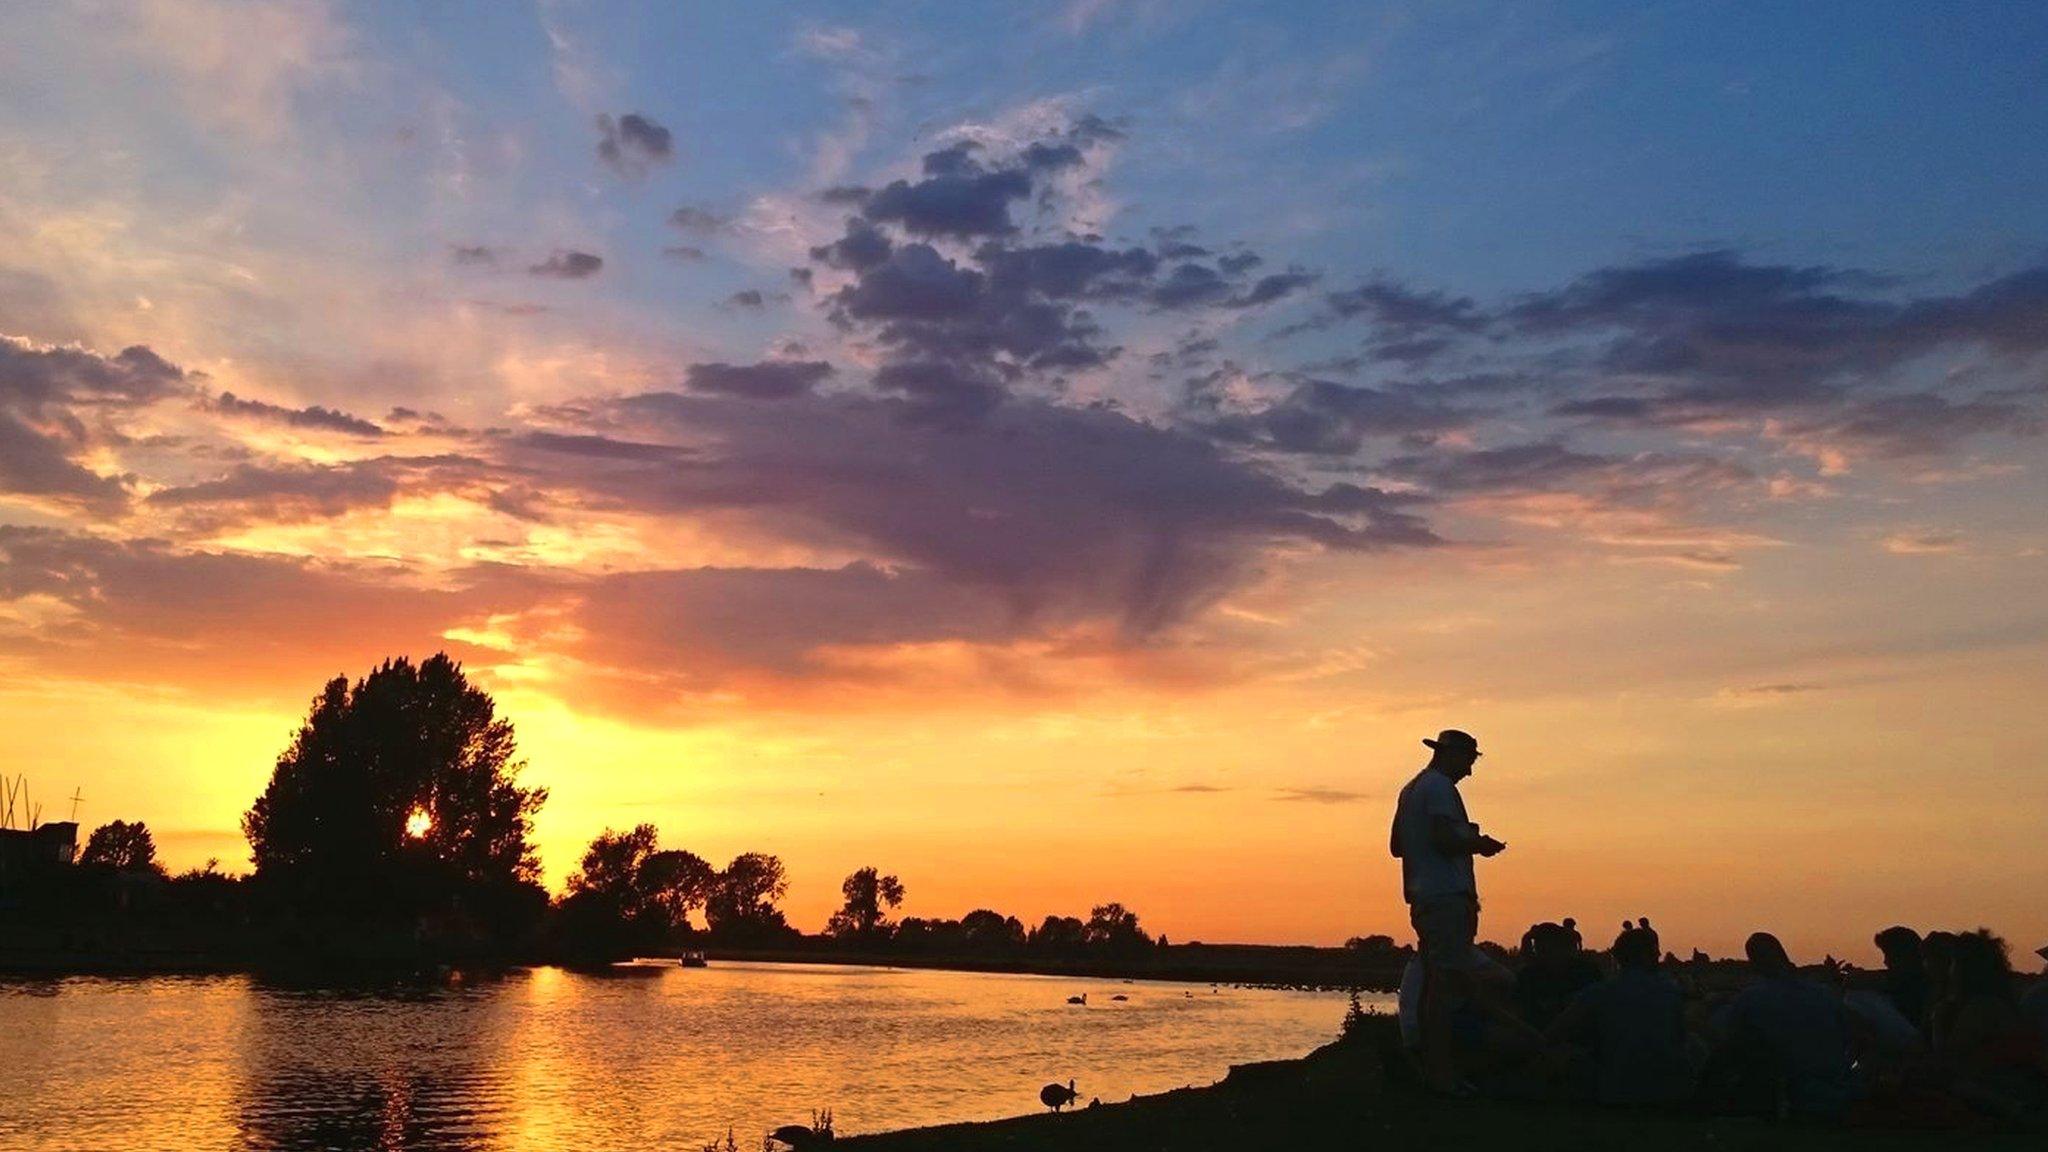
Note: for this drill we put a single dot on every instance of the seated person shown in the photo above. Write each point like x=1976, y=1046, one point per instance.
x=1983, y=1042
x=1905, y=973
x=1487, y=1035
x=1786, y=1038
x=2034, y=1006
x=1553, y=971
x=1634, y=1023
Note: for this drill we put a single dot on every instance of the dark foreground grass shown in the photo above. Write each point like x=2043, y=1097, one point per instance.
x=1337, y=1098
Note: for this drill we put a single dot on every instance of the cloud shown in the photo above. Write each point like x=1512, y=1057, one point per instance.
x=1922, y=542
x=959, y=204
x=1323, y=417
x=568, y=265
x=765, y=380
x=314, y=416
x=295, y=492
x=473, y=255
x=59, y=403
x=1766, y=693
x=143, y=611
x=1059, y=512
x=1320, y=796
x=699, y=221
x=1710, y=335
x=633, y=145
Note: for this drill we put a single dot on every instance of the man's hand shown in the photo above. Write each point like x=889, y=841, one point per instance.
x=1488, y=846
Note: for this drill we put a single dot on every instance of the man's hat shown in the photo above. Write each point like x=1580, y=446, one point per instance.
x=1451, y=739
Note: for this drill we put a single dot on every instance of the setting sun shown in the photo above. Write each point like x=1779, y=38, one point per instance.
x=417, y=824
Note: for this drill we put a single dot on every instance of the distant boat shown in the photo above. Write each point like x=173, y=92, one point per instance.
x=691, y=960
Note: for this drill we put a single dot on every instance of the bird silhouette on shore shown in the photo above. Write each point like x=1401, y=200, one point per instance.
x=1058, y=1096
x=1081, y=999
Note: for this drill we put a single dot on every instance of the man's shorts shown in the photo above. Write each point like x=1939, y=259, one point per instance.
x=1445, y=929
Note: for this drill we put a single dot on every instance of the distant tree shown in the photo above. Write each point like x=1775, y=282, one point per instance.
x=1059, y=934
x=676, y=883
x=1114, y=928
x=742, y=902
x=987, y=930
x=611, y=866
x=867, y=893
x=1377, y=948
x=398, y=790
x=122, y=846
x=939, y=937
x=628, y=894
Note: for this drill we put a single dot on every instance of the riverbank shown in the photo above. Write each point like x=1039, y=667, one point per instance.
x=1263, y=965
x=46, y=955
x=1337, y=1097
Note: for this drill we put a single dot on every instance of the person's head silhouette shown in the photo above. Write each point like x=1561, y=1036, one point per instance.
x=1981, y=966
x=1900, y=946
x=1453, y=753
x=1767, y=955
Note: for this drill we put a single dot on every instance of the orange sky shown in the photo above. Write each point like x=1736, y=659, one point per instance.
x=1016, y=543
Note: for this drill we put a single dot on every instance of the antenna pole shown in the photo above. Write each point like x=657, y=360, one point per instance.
x=76, y=796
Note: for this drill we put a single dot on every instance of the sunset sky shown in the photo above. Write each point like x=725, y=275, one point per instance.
x=1063, y=452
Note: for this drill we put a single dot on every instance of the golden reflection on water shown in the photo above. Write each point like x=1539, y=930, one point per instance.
x=653, y=1057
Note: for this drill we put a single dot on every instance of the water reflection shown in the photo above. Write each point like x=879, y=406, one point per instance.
x=389, y=1066
x=545, y=1059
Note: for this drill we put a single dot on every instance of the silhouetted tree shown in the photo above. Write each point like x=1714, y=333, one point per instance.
x=121, y=846
x=742, y=903
x=1114, y=928
x=1059, y=934
x=937, y=937
x=340, y=824
x=987, y=930
x=676, y=883
x=611, y=867
x=628, y=894
x=867, y=893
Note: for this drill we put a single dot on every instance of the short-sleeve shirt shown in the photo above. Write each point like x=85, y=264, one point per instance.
x=1803, y=1034
x=1426, y=871
x=1638, y=1027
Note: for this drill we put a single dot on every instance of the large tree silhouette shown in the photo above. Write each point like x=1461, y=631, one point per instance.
x=122, y=846
x=742, y=905
x=401, y=785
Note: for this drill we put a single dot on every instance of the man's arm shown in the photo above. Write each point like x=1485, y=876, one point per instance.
x=1454, y=837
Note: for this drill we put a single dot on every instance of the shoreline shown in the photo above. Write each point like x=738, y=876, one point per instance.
x=1202, y=964
x=1339, y=1097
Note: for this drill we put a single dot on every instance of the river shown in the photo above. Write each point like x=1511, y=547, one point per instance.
x=654, y=1057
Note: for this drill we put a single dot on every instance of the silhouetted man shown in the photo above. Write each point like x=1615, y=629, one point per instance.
x=1436, y=841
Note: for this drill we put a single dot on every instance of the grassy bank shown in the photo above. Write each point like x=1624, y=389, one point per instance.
x=1337, y=1097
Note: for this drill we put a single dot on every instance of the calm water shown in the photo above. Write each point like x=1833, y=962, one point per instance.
x=653, y=1058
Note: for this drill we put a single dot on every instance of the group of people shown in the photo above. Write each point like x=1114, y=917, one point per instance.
x=1942, y=1034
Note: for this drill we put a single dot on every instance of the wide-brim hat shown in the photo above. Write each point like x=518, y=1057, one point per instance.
x=1452, y=738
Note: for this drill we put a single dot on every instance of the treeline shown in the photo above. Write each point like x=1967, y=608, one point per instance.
x=630, y=896
x=393, y=827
